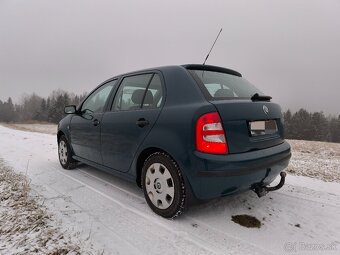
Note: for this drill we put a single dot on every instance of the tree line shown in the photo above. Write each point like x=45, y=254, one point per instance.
x=301, y=125
x=312, y=126
x=35, y=108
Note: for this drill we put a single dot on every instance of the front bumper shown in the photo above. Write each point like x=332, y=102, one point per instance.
x=226, y=174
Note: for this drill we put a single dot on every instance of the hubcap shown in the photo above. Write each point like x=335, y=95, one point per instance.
x=159, y=186
x=63, y=152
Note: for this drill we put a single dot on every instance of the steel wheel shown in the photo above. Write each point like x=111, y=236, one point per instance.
x=163, y=185
x=159, y=185
x=63, y=156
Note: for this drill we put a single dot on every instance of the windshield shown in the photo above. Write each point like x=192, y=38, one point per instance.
x=222, y=85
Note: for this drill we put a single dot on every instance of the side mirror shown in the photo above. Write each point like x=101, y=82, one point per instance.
x=70, y=109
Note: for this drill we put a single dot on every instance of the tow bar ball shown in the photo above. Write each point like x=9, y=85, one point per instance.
x=261, y=190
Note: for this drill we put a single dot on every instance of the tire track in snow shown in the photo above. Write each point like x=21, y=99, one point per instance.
x=208, y=248
x=129, y=244
x=179, y=234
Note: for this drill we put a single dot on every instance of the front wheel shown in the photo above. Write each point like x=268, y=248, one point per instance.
x=65, y=154
x=163, y=185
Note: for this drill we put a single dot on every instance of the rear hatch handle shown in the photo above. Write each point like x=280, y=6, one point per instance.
x=257, y=97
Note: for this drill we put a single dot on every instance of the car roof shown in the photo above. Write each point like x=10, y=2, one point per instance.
x=186, y=66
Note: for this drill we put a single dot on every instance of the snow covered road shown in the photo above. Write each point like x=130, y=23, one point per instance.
x=303, y=216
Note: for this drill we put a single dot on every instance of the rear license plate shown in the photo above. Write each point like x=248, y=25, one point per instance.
x=265, y=127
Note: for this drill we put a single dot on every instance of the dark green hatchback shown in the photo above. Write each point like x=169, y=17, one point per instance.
x=179, y=131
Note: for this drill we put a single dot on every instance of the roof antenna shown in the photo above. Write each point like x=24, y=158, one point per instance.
x=212, y=47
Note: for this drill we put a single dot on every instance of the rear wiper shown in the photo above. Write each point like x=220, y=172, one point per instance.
x=257, y=97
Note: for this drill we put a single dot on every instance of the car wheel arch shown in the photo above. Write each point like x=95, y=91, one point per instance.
x=60, y=134
x=141, y=159
x=147, y=153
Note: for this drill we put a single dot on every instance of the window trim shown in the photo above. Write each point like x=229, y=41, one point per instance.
x=146, y=90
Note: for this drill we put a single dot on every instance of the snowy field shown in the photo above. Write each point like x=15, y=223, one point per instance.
x=315, y=159
x=40, y=128
x=90, y=206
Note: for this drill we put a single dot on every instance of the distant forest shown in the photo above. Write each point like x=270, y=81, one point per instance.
x=304, y=125
x=301, y=125
x=35, y=108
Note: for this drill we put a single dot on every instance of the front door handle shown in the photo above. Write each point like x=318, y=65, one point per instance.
x=95, y=122
x=142, y=122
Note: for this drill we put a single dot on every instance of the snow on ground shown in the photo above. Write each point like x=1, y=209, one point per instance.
x=315, y=159
x=300, y=218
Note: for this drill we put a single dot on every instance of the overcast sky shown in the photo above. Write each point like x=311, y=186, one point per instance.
x=290, y=49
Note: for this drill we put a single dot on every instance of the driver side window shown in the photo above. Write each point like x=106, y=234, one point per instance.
x=96, y=101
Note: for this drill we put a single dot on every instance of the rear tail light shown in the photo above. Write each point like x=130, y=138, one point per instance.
x=210, y=136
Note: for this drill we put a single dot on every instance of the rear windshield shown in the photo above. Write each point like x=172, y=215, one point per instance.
x=222, y=85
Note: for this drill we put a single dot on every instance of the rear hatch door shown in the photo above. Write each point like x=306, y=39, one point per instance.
x=250, y=120
x=250, y=125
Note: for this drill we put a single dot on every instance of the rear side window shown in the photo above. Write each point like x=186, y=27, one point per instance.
x=131, y=92
x=139, y=91
x=223, y=85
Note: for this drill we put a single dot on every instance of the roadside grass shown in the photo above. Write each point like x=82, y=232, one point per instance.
x=26, y=225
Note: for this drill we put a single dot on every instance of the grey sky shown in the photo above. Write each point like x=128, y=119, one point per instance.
x=290, y=49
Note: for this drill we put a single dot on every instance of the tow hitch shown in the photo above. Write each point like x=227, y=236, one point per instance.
x=261, y=190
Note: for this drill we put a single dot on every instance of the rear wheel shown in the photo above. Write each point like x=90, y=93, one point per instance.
x=65, y=154
x=163, y=185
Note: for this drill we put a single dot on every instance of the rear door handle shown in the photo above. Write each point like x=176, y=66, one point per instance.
x=95, y=122
x=142, y=122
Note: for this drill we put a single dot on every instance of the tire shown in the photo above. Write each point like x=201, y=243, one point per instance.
x=65, y=154
x=163, y=185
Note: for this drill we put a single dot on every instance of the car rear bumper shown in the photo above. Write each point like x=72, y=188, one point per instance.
x=221, y=175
